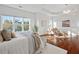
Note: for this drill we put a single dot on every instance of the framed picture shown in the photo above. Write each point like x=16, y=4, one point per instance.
x=66, y=23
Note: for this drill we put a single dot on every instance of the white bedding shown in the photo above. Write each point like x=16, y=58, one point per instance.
x=24, y=44
x=51, y=49
x=30, y=40
x=15, y=46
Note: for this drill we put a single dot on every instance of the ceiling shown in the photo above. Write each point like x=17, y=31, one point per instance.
x=50, y=9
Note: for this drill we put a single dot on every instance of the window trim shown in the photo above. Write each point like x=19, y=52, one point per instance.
x=13, y=23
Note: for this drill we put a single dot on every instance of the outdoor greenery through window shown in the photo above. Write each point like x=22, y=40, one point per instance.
x=7, y=22
x=15, y=23
x=18, y=24
x=26, y=23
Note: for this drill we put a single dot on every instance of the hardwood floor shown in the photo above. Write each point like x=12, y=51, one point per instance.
x=71, y=45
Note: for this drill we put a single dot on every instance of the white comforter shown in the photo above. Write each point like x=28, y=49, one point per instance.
x=15, y=46
x=24, y=44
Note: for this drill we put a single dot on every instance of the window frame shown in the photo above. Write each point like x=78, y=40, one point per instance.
x=13, y=23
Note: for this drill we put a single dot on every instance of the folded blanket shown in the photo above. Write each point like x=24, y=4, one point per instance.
x=37, y=41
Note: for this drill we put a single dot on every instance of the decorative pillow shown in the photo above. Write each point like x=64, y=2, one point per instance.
x=1, y=38
x=13, y=35
x=6, y=35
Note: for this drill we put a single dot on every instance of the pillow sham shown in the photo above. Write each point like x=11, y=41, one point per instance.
x=6, y=35
x=13, y=35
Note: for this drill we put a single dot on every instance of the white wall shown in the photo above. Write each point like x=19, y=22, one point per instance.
x=74, y=22
x=42, y=22
x=0, y=23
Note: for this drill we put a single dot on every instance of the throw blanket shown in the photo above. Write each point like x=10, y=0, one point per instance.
x=37, y=41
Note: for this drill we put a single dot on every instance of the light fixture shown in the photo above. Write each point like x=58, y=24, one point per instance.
x=66, y=11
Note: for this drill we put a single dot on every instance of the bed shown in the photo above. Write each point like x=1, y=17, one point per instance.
x=24, y=43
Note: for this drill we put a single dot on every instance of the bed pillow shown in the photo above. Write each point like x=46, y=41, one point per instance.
x=13, y=35
x=1, y=38
x=6, y=35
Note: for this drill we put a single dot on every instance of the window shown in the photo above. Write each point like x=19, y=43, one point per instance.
x=7, y=22
x=52, y=24
x=26, y=24
x=18, y=24
x=15, y=23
